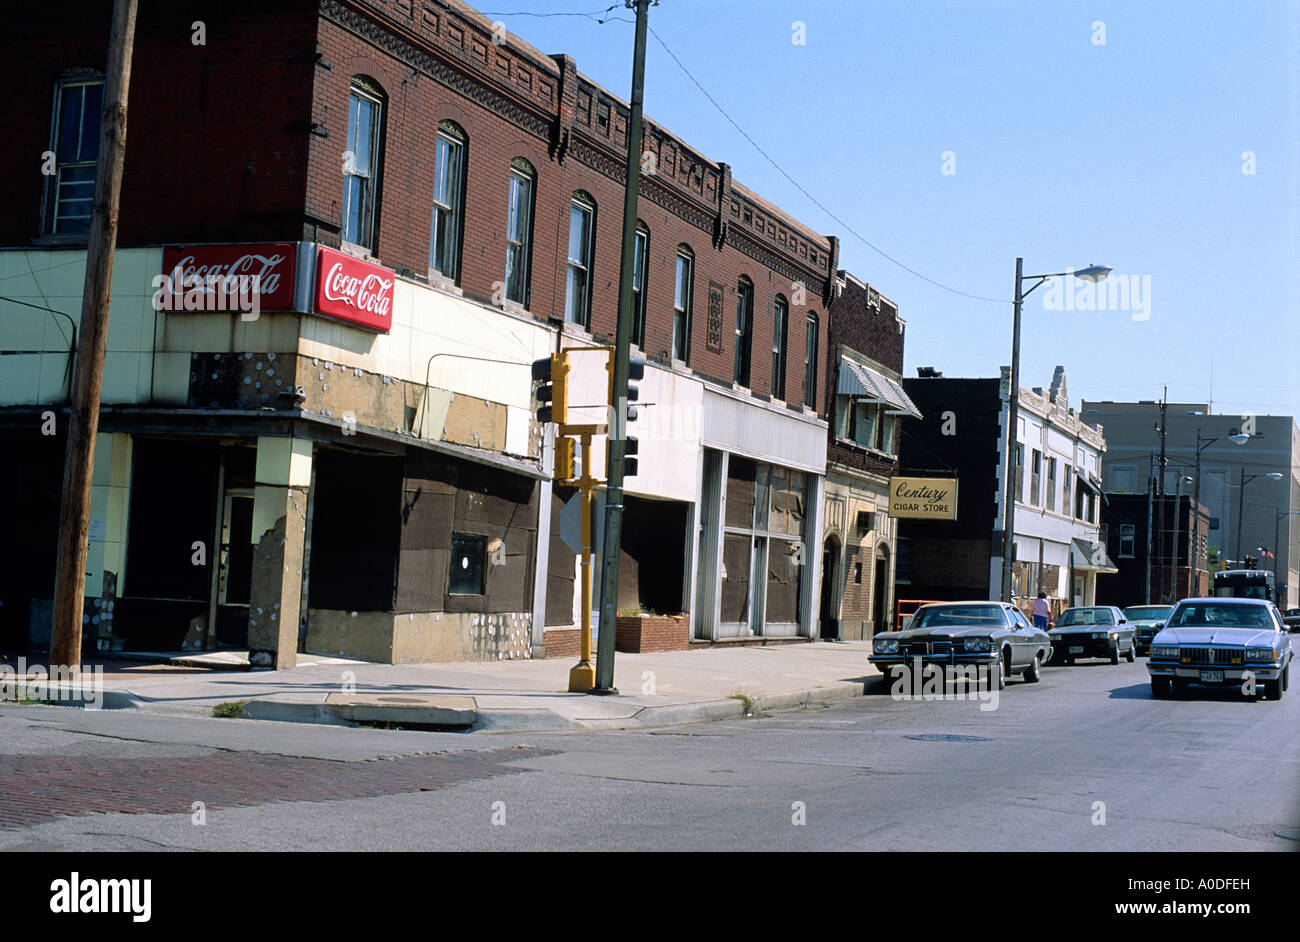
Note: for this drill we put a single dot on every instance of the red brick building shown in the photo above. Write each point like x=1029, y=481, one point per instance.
x=487, y=179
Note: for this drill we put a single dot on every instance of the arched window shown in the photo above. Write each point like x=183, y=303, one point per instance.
x=810, y=363
x=640, y=261
x=780, y=317
x=519, y=230
x=582, y=228
x=682, y=295
x=744, y=330
x=361, y=163
x=448, y=201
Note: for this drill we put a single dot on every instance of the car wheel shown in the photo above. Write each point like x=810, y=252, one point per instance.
x=1286, y=677
x=1132, y=653
x=1161, y=687
x=1066, y=660
x=1003, y=663
x=1114, y=654
x=1033, y=672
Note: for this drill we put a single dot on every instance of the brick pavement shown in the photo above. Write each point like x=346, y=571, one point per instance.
x=37, y=789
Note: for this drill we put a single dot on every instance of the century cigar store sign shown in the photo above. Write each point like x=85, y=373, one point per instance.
x=358, y=292
x=256, y=276
x=923, y=498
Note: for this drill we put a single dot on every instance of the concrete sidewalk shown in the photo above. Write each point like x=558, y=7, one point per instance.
x=654, y=689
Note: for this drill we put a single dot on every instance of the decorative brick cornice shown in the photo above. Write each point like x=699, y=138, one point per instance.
x=460, y=82
x=749, y=245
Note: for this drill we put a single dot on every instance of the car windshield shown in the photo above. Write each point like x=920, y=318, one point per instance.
x=1292, y=611
x=1148, y=612
x=1213, y=614
x=1085, y=616
x=958, y=616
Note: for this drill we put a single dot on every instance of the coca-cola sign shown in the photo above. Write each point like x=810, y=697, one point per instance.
x=203, y=277
x=351, y=290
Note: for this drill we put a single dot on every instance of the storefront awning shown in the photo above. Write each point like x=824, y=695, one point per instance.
x=1084, y=554
x=862, y=382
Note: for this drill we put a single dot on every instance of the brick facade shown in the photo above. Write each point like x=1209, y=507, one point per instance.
x=243, y=139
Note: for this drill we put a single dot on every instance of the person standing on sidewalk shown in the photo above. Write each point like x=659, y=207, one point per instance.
x=1041, y=610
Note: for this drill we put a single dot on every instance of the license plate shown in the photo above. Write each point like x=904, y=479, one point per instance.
x=1076, y=649
x=1211, y=677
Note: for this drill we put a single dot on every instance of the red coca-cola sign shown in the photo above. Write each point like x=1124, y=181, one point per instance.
x=351, y=290
x=206, y=270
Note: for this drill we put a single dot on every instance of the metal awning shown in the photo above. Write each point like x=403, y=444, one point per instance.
x=1084, y=554
x=862, y=382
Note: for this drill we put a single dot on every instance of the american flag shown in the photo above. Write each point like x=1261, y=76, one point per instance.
x=1266, y=554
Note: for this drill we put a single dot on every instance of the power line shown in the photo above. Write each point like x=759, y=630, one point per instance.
x=818, y=203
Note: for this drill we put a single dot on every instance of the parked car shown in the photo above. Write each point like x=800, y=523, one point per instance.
x=1093, y=631
x=1218, y=642
x=993, y=634
x=1291, y=618
x=1146, y=621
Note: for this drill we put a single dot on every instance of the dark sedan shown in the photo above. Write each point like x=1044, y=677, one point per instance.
x=1291, y=618
x=994, y=635
x=1093, y=631
x=1146, y=621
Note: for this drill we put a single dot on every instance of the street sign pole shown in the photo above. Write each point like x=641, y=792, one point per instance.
x=616, y=443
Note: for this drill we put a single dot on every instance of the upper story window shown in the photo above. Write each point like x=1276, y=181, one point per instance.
x=780, y=317
x=78, y=108
x=640, y=259
x=1051, y=483
x=448, y=201
x=744, y=330
x=1126, y=540
x=519, y=230
x=577, y=297
x=1067, y=492
x=810, y=363
x=1020, y=472
x=685, y=283
x=868, y=424
x=1035, y=480
x=361, y=163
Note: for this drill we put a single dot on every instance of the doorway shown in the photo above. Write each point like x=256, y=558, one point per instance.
x=880, y=620
x=829, y=622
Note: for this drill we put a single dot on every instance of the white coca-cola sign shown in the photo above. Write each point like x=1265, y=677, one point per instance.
x=351, y=290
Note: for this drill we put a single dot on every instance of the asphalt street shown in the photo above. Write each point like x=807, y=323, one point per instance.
x=1084, y=760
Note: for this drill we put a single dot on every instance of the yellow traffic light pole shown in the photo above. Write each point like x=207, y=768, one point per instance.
x=582, y=677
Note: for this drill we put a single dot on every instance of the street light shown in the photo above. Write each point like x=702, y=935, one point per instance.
x=1241, y=497
x=1203, y=443
x=1093, y=273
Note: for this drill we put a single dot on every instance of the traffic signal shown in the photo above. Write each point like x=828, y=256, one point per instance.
x=635, y=373
x=553, y=394
x=566, y=458
x=630, y=451
x=1250, y=562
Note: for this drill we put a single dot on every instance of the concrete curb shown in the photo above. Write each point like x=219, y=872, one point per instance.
x=463, y=714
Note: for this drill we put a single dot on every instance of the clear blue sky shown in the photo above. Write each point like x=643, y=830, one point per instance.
x=1066, y=153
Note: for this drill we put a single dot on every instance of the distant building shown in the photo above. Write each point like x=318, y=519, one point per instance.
x=1056, y=545
x=1174, y=567
x=1267, y=519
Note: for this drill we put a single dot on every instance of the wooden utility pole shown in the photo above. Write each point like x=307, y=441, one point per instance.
x=83, y=425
